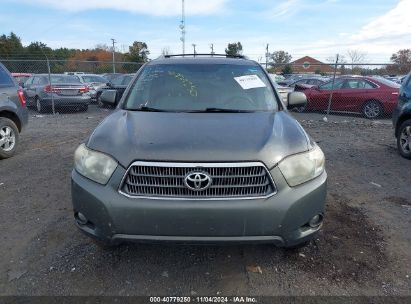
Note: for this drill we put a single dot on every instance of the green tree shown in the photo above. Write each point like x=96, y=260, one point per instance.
x=137, y=52
x=402, y=60
x=37, y=50
x=287, y=69
x=234, y=49
x=11, y=47
x=280, y=58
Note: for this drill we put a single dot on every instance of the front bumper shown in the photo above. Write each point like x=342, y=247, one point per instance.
x=280, y=219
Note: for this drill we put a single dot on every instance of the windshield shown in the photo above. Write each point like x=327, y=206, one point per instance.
x=94, y=79
x=197, y=87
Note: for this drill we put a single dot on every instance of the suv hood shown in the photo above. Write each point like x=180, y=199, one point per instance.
x=199, y=137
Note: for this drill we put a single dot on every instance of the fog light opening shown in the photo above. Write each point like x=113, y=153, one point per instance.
x=316, y=221
x=80, y=218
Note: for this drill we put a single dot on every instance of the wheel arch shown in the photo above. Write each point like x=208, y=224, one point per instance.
x=13, y=117
x=400, y=121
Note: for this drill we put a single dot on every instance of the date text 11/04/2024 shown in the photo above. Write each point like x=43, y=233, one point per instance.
x=203, y=299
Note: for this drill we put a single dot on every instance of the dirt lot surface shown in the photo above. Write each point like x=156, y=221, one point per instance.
x=363, y=249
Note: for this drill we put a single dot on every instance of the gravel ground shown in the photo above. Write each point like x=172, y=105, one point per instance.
x=363, y=249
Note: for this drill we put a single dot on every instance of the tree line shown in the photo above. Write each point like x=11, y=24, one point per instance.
x=350, y=62
x=98, y=59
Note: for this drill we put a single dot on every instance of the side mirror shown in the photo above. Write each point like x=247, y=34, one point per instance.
x=108, y=84
x=296, y=99
x=109, y=97
x=21, y=84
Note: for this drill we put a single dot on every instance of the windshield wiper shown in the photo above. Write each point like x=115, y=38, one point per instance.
x=222, y=110
x=147, y=109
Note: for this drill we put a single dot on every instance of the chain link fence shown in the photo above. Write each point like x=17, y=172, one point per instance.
x=351, y=90
x=368, y=90
x=69, y=86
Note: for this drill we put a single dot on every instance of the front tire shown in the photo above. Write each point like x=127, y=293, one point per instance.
x=9, y=138
x=404, y=139
x=372, y=109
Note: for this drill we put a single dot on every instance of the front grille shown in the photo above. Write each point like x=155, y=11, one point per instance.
x=167, y=180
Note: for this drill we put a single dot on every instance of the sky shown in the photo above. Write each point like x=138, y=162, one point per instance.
x=317, y=28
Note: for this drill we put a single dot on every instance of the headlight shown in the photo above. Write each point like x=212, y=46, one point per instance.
x=94, y=165
x=300, y=168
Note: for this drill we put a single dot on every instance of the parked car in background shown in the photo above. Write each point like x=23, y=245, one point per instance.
x=200, y=150
x=277, y=78
x=13, y=113
x=66, y=91
x=119, y=84
x=74, y=73
x=395, y=78
x=371, y=96
x=308, y=82
x=291, y=79
x=111, y=76
x=21, y=78
x=401, y=119
x=282, y=90
x=94, y=83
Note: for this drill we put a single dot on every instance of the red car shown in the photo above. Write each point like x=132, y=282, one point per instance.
x=371, y=96
x=21, y=77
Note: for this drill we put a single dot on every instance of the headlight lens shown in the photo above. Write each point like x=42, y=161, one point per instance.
x=300, y=168
x=94, y=165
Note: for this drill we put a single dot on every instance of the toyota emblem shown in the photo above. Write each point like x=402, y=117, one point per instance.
x=197, y=181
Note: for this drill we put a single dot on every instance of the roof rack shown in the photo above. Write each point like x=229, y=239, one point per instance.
x=205, y=54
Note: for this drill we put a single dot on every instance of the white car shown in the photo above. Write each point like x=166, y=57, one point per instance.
x=282, y=90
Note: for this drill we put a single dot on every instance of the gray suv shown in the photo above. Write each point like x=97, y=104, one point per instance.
x=13, y=113
x=200, y=150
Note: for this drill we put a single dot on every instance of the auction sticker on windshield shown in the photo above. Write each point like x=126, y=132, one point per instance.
x=250, y=82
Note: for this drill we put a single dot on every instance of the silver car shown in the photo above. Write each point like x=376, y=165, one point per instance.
x=42, y=92
x=94, y=83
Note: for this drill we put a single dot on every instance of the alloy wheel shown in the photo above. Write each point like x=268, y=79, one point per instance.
x=372, y=109
x=405, y=139
x=7, y=139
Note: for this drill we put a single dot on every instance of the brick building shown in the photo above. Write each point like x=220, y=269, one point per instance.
x=309, y=65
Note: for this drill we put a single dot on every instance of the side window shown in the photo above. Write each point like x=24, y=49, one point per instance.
x=352, y=84
x=367, y=85
x=5, y=79
x=337, y=85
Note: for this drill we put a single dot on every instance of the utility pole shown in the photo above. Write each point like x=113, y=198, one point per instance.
x=267, y=54
x=212, y=49
x=194, y=48
x=183, y=27
x=332, y=89
x=114, y=64
x=51, y=85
